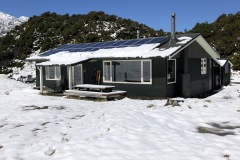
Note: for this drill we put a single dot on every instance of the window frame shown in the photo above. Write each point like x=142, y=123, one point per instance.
x=47, y=76
x=175, y=75
x=204, y=72
x=81, y=73
x=142, y=78
x=110, y=78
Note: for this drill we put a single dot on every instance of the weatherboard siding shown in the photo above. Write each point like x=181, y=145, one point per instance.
x=190, y=82
x=199, y=83
x=196, y=51
x=226, y=76
x=159, y=71
x=51, y=83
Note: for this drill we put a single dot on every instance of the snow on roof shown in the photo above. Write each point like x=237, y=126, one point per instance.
x=183, y=40
x=142, y=51
x=130, y=52
x=66, y=58
x=163, y=52
x=222, y=62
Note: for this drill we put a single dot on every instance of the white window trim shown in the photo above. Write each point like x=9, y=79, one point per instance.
x=142, y=82
x=46, y=72
x=205, y=68
x=73, y=78
x=104, y=80
x=175, y=71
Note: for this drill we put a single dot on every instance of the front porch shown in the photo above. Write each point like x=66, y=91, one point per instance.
x=95, y=91
x=93, y=94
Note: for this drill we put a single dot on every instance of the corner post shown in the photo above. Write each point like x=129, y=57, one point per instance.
x=70, y=77
x=41, y=79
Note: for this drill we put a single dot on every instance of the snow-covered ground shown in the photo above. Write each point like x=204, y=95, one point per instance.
x=29, y=68
x=39, y=127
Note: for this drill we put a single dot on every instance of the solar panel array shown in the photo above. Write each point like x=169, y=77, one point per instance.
x=90, y=47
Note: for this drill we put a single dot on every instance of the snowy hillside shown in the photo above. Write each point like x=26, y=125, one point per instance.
x=50, y=30
x=47, y=127
x=8, y=22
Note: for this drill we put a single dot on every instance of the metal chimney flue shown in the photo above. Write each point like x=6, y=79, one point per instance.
x=173, y=30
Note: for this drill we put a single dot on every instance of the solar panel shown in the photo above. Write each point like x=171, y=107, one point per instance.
x=158, y=40
x=90, y=47
x=108, y=47
x=106, y=44
x=72, y=50
x=75, y=46
x=130, y=42
x=118, y=43
x=143, y=41
x=95, y=49
x=87, y=45
x=98, y=44
x=64, y=46
x=49, y=53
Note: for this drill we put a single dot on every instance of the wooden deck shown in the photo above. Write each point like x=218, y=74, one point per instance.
x=94, y=87
x=95, y=91
x=94, y=94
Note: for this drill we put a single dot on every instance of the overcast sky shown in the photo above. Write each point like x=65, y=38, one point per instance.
x=153, y=13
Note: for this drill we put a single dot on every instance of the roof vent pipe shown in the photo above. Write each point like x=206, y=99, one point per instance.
x=138, y=34
x=173, y=31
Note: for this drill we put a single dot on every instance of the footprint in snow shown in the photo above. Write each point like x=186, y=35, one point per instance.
x=65, y=138
x=50, y=151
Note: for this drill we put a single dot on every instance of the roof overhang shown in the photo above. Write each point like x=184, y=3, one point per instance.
x=207, y=47
x=203, y=43
x=61, y=63
x=37, y=59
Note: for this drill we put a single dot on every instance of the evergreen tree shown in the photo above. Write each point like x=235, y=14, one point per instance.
x=236, y=61
x=50, y=30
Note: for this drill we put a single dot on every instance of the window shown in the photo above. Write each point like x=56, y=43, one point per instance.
x=146, y=71
x=107, y=71
x=171, y=71
x=77, y=74
x=127, y=71
x=53, y=72
x=203, y=66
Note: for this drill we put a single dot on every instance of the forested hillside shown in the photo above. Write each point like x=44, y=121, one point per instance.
x=223, y=35
x=50, y=30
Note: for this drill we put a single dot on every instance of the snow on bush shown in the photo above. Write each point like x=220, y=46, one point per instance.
x=7, y=85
